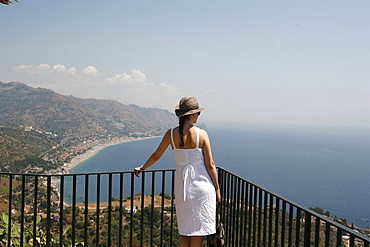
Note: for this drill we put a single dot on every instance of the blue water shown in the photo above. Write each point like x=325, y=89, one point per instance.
x=314, y=167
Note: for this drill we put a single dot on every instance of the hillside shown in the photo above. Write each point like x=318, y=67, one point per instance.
x=46, y=110
x=41, y=128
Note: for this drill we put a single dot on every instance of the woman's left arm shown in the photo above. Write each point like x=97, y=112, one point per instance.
x=154, y=157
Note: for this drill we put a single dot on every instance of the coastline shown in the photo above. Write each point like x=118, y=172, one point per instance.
x=94, y=149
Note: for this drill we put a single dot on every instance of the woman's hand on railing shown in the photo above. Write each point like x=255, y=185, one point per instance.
x=218, y=195
x=138, y=170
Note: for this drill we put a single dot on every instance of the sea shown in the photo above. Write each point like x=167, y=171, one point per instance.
x=323, y=167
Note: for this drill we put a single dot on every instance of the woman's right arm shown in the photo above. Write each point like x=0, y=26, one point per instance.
x=210, y=164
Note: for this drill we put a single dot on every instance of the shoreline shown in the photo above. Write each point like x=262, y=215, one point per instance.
x=76, y=160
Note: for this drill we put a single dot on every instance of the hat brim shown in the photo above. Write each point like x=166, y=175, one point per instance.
x=181, y=113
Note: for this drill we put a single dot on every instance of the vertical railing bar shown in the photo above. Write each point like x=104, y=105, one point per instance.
x=142, y=209
x=227, y=207
x=223, y=195
x=152, y=209
x=327, y=234
x=246, y=218
x=351, y=240
x=339, y=237
x=172, y=203
x=120, y=209
x=162, y=206
x=283, y=223
x=242, y=213
x=255, y=196
x=132, y=209
x=271, y=219
x=98, y=180
x=260, y=205
x=250, y=207
x=86, y=207
x=233, y=214
x=236, y=198
x=277, y=218
x=110, y=182
x=48, y=211
x=61, y=209
x=221, y=184
x=35, y=211
x=238, y=213
x=74, y=186
x=290, y=233
x=317, y=232
x=265, y=212
x=22, y=209
x=10, y=209
x=298, y=227
x=307, y=229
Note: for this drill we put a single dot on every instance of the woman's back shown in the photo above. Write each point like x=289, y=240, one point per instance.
x=189, y=138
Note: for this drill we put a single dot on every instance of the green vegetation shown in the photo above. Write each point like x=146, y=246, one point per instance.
x=19, y=149
x=146, y=225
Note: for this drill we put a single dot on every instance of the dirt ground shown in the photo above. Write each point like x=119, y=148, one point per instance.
x=126, y=203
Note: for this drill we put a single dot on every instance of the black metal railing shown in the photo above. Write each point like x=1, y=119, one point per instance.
x=118, y=209
x=254, y=217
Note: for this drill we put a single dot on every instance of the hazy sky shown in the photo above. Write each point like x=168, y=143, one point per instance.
x=294, y=62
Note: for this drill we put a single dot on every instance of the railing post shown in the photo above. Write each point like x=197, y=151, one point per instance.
x=172, y=203
x=10, y=209
x=48, y=211
x=120, y=209
x=22, y=209
x=142, y=209
x=290, y=234
x=61, y=211
x=74, y=186
x=86, y=207
x=298, y=227
x=132, y=209
x=109, y=209
x=152, y=210
x=35, y=211
x=307, y=230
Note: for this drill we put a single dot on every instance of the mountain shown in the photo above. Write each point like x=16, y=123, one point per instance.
x=44, y=109
x=40, y=129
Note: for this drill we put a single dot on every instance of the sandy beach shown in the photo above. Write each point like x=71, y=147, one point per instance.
x=68, y=167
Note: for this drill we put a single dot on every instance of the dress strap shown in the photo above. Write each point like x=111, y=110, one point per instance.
x=173, y=143
x=197, y=137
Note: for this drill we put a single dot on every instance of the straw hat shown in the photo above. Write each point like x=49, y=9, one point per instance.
x=187, y=106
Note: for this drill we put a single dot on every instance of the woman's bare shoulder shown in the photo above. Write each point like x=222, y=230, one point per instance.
x=203, y=132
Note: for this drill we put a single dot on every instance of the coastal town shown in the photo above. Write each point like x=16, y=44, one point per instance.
x=73, y=150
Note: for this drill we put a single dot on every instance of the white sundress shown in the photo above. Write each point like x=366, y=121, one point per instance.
x=195, y=192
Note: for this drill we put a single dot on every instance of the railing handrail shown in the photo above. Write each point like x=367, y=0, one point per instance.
x=80, y=173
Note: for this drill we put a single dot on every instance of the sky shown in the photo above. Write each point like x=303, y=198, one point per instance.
x=270, y=62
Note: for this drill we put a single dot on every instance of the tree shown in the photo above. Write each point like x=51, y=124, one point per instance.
x=6, y=1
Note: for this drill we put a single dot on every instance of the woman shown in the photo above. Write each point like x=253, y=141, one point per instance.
x=197, y=188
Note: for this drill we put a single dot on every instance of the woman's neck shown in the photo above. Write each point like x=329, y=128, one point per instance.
x=187, y=126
